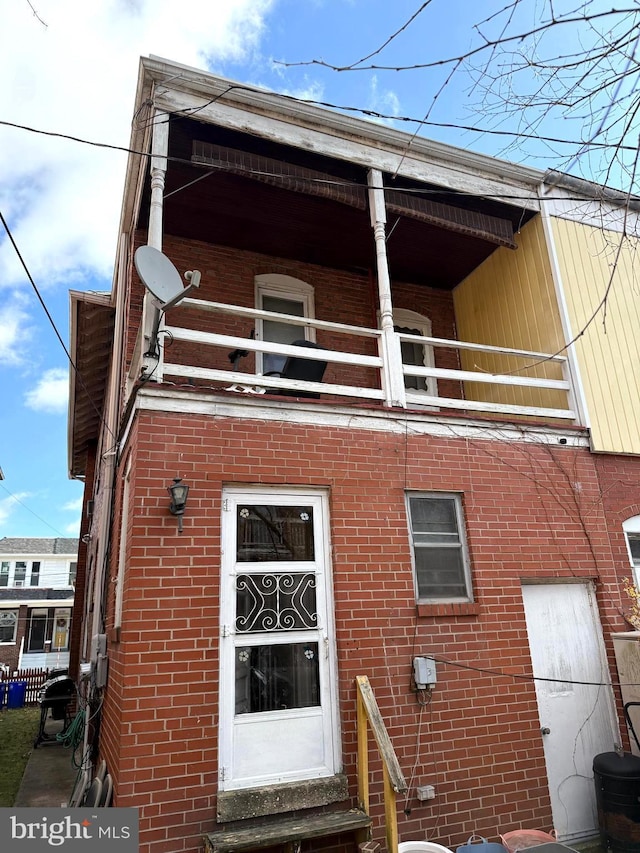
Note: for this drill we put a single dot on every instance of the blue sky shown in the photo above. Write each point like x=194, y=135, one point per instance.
x=70, y=67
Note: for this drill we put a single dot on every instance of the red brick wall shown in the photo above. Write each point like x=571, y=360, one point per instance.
x=531, y=511
x=619, y=480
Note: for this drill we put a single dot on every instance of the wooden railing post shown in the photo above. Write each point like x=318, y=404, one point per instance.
x=368, y=714
x=363, y=755
x=390, y=815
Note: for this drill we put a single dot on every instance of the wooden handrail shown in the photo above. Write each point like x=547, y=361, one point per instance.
x=368, y=715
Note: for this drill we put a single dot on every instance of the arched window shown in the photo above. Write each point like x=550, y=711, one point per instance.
x=631, y=529
x=412, y=323
x=282, y=294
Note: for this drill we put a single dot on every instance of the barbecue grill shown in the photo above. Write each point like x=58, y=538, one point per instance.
x=55, y=696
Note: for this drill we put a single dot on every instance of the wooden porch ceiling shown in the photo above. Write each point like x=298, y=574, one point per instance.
x=238, y=212
x=92, y=325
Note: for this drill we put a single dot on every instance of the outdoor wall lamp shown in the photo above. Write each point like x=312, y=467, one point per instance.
x=178, y=492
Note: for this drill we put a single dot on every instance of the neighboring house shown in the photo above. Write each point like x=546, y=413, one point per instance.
x=457, y=483
x=37, y=578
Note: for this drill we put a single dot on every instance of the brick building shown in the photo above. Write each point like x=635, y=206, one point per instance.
x=37, y=578
x=390, y=456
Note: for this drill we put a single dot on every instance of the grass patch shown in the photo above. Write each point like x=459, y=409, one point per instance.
x=18, y=730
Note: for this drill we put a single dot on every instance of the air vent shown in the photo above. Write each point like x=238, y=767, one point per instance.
x=18, y=583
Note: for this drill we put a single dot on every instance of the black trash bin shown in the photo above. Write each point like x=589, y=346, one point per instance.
x=617, y=780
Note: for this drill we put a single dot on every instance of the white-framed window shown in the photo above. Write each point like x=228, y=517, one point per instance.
x=20, y=573
x=440, y=555
x=631, y=529
x=4, y=573
x=35, y=573
x=73, y=569
x=413, y=352
x=278, y=690
x=8, y=625
x=282, y=294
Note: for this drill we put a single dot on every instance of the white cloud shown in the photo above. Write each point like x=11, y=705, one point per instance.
x=9, y=505
x=51, y=393
x=14, y=329
x=73, y=506
x=73, y=528
x=383, y=101
x=77, y=76
x=313, y=90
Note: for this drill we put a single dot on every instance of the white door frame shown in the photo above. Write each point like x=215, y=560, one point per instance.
x=577, y=716
x=319, y=725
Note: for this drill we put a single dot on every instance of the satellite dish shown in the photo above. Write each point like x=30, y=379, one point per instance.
x=161, y=278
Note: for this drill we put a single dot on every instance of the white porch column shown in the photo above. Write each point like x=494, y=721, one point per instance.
x=392, y=377
x=150, y=309
x=159, y=151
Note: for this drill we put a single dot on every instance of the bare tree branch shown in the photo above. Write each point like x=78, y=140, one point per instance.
x=36, y=15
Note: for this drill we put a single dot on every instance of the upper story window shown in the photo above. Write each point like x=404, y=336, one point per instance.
x=8, y=624
x=35, y=573
x=414, y=352
x=281, y=294
x=440, y=557
x=20, y=573
x=4, y=573
x=73, y=568
x=631, y=529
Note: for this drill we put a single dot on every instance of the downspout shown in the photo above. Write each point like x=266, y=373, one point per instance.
x=392, y=376
x=578, y=400
x=104, y=524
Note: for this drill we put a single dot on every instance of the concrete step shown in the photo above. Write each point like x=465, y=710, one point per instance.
x=287, y=830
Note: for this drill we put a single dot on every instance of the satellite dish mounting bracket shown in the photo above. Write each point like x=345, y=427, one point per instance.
x=163, y=282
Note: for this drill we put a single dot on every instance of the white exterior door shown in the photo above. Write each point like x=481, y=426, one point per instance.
x=278, y=705
x=577, y=720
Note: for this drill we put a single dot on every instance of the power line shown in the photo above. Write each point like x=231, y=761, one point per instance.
x=329, y=105
x=53, y=325
x=531, y=678
x=17, y=500
x=337, y=182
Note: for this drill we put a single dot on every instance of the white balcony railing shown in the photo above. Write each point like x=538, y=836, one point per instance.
x=513, y=392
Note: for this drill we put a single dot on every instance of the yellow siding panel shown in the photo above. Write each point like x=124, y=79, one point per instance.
x=607, y=350
x=510, y=301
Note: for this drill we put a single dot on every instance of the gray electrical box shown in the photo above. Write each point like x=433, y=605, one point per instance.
x=98, y=646
x=424, y=672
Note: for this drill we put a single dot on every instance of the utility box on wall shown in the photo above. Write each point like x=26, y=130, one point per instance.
x=626, y=646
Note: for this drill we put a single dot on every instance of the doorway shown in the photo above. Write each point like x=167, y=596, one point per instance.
x=575, y=699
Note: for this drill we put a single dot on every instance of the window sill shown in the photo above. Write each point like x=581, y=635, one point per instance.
x=462, y=608
x=276, y=799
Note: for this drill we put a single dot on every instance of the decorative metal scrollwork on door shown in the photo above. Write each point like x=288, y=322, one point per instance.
x=276, y=602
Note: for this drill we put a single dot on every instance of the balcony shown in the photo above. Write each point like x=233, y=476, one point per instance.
x=369, y=245
x=366, y=366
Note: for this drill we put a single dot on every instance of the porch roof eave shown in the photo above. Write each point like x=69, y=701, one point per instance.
x=91, y=338
x=290, y=121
